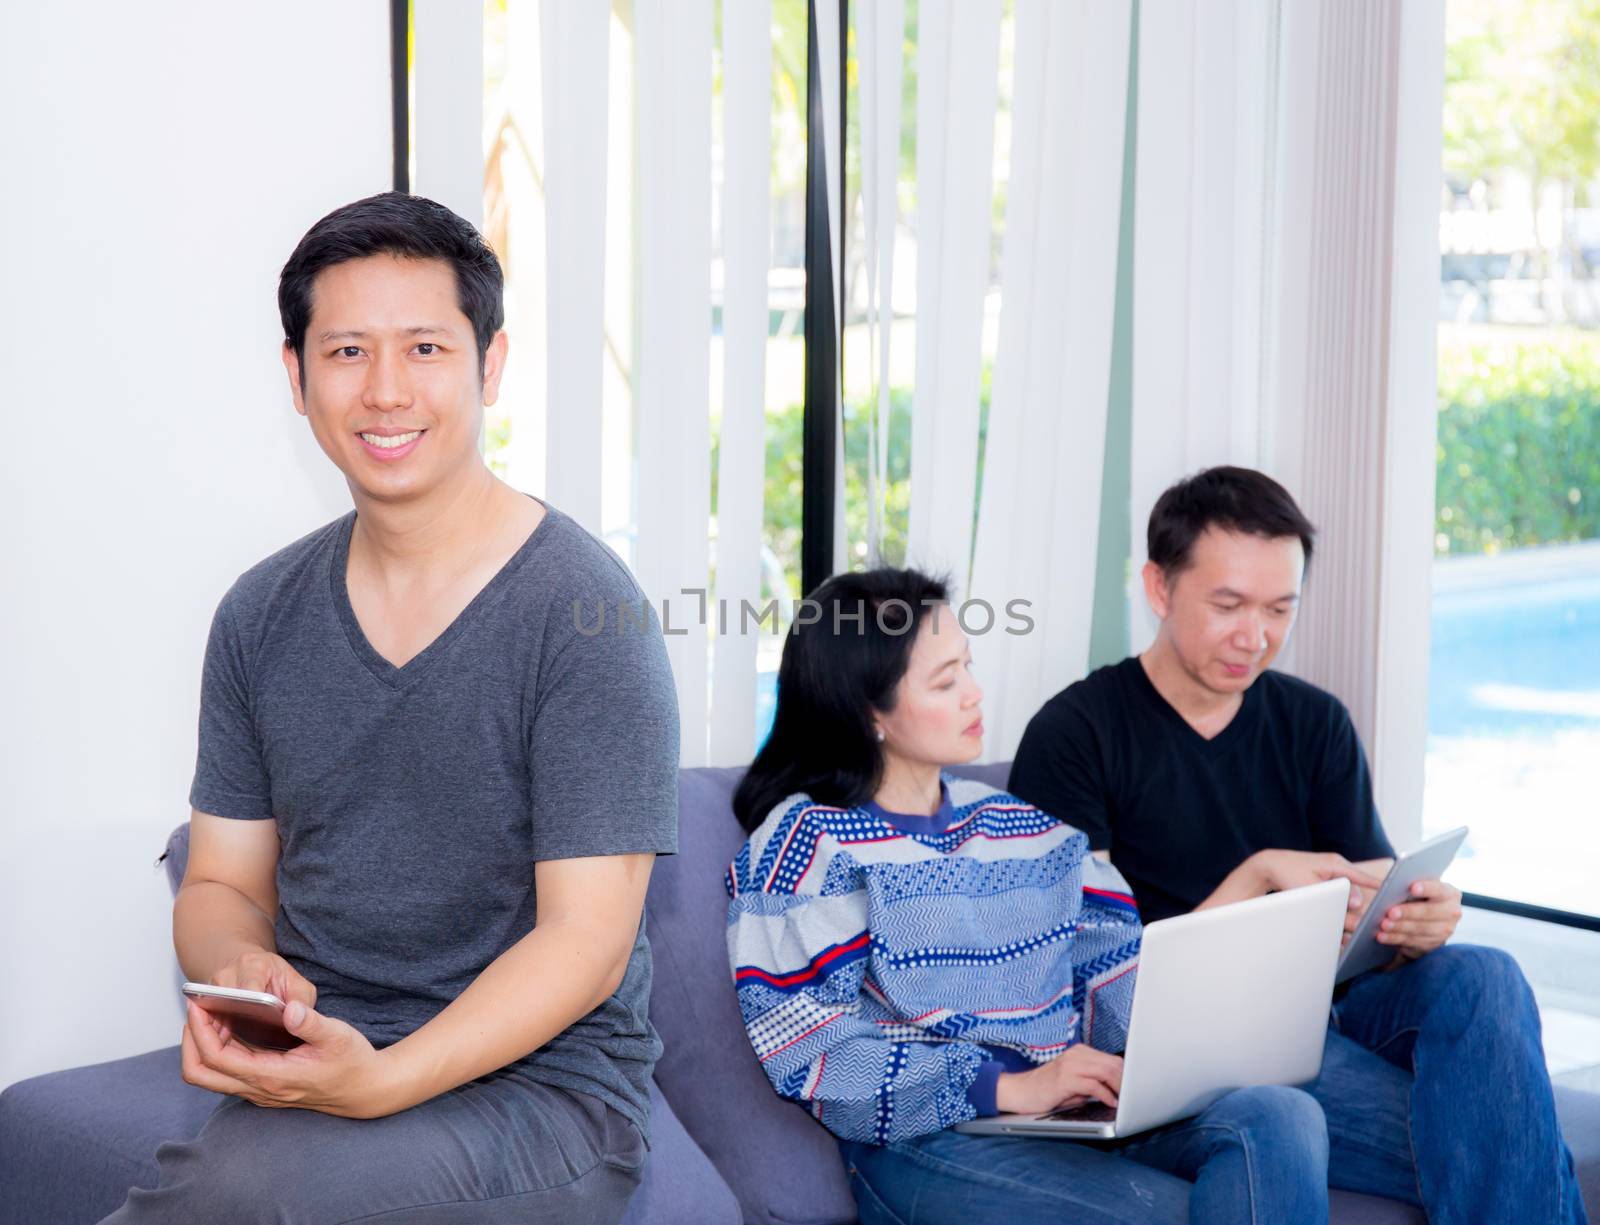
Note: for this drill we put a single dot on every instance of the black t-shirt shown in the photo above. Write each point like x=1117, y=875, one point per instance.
x=1179, y=812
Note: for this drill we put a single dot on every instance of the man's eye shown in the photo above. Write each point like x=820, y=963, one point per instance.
x=426, y=348
x=350, y=351
x=1227, y=607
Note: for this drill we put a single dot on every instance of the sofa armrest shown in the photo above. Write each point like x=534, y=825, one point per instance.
x=176, y=857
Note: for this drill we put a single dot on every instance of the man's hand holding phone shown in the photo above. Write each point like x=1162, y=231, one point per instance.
x=334, y=1069
x=259, y=970
x=255, y=1022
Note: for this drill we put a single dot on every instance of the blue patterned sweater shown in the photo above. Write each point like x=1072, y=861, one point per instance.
x=889, y=967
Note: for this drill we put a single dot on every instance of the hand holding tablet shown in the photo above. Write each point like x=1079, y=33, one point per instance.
x=1427, y=862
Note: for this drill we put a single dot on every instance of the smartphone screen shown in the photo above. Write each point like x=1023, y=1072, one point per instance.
x=254, y=1017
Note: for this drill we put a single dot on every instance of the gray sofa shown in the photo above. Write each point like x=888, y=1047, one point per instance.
x=726, y=1148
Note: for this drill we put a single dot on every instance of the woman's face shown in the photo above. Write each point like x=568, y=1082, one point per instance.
x=936, y=718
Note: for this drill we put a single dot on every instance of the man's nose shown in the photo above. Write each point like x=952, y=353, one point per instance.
x=388, y=387
x=1252, y=634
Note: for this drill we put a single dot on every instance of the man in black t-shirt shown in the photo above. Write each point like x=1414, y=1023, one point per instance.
x=1206, y=779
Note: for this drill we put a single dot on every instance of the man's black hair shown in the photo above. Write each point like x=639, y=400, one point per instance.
x=394, y=223
x=1233, y=499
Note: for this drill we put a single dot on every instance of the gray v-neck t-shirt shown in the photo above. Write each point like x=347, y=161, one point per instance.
x=412, y=803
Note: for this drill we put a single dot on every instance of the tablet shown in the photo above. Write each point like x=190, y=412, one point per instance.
x=1427, y=862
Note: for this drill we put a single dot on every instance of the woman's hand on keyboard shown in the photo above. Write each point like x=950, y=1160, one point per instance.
x=1078, y=1075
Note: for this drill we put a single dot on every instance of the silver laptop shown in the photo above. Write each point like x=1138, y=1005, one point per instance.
x=1226, y=998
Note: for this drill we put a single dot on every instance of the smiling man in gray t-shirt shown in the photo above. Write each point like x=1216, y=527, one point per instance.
x=427, y=798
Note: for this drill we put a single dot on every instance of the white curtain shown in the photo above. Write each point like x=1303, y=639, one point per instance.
x=1362, y=97
x=672, y=370
x=1405, y=529
x=514, y=218
x=1284, y=305
x=958, y=51
x=447, y=113
x=574, y=47
x=1204, y=199
x=1039, y=520
x=746, y=255
x=882, y=36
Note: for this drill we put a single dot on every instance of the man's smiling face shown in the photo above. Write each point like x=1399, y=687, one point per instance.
x=391, y=381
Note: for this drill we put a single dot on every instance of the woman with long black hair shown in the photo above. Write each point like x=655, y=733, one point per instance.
x=912, y=950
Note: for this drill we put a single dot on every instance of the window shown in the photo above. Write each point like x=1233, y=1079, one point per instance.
x=1514, y=713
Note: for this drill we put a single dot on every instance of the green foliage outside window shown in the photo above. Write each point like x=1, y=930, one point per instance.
x=1519, y=442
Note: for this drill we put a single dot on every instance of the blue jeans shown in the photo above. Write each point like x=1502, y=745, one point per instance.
x=1256, y=1156
x=1435, y=1091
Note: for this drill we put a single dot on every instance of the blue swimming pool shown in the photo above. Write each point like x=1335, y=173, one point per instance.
x=1514, y=723
x=1518, y=657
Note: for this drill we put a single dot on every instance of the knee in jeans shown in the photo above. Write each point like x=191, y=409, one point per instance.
x=1485, y=978
x=1492, y=969
x=1279, y=1115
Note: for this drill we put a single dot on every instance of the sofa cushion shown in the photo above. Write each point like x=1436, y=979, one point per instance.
x=995, y=773
x=73, y=1143
x=781, y=1163
x=175, y=859
x=1579, y=1112
x=680, y=1186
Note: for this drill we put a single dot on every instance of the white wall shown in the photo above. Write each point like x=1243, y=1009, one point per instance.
x=161, y=161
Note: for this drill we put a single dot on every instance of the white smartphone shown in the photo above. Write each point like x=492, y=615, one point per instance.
x=255, y=1017
x=1426, y=862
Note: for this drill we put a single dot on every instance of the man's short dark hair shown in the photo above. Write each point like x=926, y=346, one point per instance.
x=394, y=223
x=1232, y=499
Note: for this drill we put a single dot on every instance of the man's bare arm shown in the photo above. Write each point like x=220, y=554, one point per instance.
x=222, y=920
x=575, y=957
x=229, y=894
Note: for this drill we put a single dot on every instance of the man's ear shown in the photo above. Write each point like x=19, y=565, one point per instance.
x=494, y=365
x=291, y=363
x=1156, y=590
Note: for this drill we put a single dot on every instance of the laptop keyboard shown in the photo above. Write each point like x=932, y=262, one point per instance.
x=1089, y=1112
